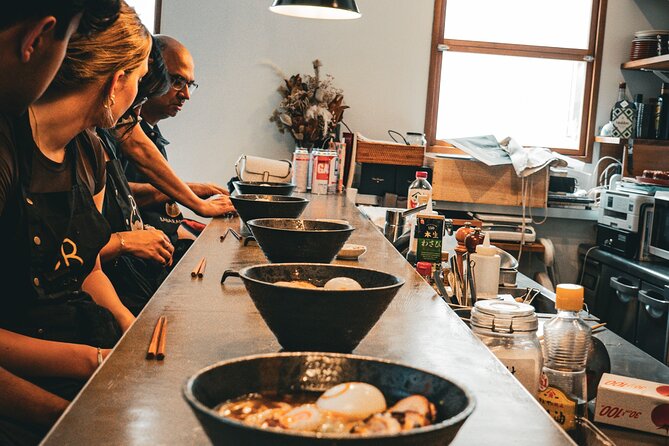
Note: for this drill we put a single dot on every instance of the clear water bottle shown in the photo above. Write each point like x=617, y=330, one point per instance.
x=563, y=389
x=420, y=191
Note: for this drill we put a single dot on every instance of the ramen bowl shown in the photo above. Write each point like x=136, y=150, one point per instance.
x=317, y=372
x=316, y=318
x=285, y=240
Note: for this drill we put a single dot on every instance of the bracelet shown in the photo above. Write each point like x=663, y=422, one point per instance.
x=120, y=239
x=99, y=356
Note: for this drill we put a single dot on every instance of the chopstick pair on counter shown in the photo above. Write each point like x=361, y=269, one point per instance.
x=234, y=233
x=157, y=344
x=198, y=271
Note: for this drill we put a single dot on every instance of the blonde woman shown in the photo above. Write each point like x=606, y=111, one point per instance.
x=58, y=311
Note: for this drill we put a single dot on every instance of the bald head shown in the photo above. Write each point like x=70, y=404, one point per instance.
x=181, y=67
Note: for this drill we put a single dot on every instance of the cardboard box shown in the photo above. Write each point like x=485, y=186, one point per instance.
x=633, y=403
x=470, y=181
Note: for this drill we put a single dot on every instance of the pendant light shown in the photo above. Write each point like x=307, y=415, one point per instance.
x=317, y=9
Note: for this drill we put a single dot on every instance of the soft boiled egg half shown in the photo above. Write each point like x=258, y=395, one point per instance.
x=353, y=400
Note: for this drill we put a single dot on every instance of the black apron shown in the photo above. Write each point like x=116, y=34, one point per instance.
x=58, y=238
x=134, y=279
x=164, y=216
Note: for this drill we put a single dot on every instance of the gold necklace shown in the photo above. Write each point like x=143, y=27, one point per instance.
x=32, y=113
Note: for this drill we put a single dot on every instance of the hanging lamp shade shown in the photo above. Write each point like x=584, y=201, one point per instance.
x=317, y=9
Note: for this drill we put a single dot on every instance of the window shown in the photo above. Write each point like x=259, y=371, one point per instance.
x=522, y=68
x=149, y=13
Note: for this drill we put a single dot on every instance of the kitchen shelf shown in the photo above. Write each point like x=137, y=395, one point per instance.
x=622, y=141
x=657, y=63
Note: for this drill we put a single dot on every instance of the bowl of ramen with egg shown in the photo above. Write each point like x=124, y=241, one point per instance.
x=250, y=206
x=287, y=240
x=318, y=307
x=326, y=399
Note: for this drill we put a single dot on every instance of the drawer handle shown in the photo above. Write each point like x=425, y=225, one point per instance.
x=625, y=291
x=655, y=307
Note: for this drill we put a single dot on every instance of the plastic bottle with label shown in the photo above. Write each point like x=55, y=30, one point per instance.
x=563, y=390
x=486, y=262
x=413, y=242
x=420, y=191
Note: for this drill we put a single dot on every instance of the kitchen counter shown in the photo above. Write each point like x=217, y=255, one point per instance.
x=131, y=400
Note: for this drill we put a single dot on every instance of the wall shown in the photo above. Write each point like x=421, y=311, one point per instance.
x=380, y=61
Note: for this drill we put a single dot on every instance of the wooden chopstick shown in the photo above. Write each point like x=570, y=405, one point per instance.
x=160, y=353
x=195, y=271
x=596, y=326
x=225, y=235
x=153, y=345
x=203, y=265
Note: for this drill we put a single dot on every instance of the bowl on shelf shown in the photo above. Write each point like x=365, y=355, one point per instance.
x=317, y=372
x=318, y=319
x=245, y=187
x=294, y=240
x=250, y=206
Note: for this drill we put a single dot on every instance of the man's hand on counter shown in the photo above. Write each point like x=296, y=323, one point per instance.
x=206, y=190
x=215, y=206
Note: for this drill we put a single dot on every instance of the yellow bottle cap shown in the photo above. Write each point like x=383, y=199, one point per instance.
x=569, y=297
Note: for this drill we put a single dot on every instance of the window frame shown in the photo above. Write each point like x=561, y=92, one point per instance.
x=440, y=44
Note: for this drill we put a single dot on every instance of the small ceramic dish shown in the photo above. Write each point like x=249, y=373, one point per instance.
x=351, y=252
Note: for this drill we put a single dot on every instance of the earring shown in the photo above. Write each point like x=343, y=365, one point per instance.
x=112, y=100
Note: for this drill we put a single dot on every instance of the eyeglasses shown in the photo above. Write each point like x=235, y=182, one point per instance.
x=179, y=82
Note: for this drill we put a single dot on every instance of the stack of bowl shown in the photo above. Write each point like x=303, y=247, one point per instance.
x=649, y=43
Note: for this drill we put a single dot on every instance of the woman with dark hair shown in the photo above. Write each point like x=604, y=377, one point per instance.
x=136, y=256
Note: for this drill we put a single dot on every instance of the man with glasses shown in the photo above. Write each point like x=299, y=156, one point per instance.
x=157, y=209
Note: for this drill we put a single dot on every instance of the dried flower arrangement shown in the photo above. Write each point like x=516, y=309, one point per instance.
x=310, y=107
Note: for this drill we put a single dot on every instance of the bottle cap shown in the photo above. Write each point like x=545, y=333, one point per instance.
x=486, y=249
x=569, y=297
x=421, y=174
x=424, y=268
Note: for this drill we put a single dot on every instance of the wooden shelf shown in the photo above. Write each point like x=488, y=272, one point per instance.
x=623, y=141
x=514, y=246
x=657, y=63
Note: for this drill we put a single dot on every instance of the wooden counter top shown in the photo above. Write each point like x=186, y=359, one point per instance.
x=131, y=400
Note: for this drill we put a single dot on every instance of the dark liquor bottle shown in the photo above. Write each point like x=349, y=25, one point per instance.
x=623, y=115
x=640, y=108
x=661, y=113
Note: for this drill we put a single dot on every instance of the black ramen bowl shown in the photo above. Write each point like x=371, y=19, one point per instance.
x=250, y=206
x=293, y=240
x=309, y=372
x=315, y=318
x=243, y=187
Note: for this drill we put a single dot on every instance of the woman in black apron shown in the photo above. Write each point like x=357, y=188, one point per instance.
x=58, y=309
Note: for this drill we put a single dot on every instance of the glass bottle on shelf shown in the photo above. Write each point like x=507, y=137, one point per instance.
x=623, y=115
x=662, y=112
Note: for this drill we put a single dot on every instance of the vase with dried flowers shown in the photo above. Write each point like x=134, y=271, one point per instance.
x=310, y=107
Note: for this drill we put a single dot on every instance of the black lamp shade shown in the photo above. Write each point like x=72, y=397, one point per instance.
x=317, y=9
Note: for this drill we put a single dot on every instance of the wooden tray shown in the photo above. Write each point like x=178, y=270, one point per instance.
x=471, y=181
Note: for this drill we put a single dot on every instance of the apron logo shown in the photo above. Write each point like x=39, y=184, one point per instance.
x=172, y=209
x=67, y=256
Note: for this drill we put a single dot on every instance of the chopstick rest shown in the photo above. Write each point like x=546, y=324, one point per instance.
x=157, y=339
